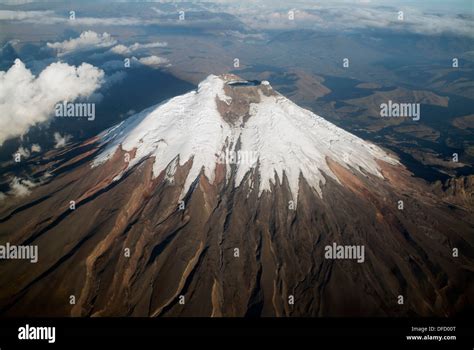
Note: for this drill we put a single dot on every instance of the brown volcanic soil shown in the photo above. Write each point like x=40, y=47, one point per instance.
x=191, y=252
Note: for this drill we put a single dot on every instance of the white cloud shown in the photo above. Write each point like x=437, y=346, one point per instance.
x=22, y=151
x=25, y=152
x=61, y=141
x=160, y=12
x=244, y=36
x=153, y=61
x=86, y=41
x=138, y=46
x=150, y=61
x=35, y=148
x=126, y=50
x=21, y=187
x=110, y=21
x=26, y=100
x=120, y=49
x=7, y=15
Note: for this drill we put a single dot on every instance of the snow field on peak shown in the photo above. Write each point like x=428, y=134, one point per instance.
x=296, y=141
x=286, y=139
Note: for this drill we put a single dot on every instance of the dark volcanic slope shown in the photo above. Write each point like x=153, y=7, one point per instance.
x=191, y=252
x=130, y=248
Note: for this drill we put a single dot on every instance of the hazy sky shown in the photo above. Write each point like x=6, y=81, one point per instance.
x=437, y=5
x=420, y=16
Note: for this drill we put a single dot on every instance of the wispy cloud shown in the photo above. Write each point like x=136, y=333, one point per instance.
x=88, y=40
x=126, y=50
x=61, y=140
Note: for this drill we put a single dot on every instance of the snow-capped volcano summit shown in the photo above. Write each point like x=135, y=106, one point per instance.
x=259, y=128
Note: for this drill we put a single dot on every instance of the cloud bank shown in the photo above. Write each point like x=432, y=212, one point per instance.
x=363, y=17
x=267, y=15
x=26, y=100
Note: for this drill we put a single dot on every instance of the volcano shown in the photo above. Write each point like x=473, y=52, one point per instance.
x=231, y=200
